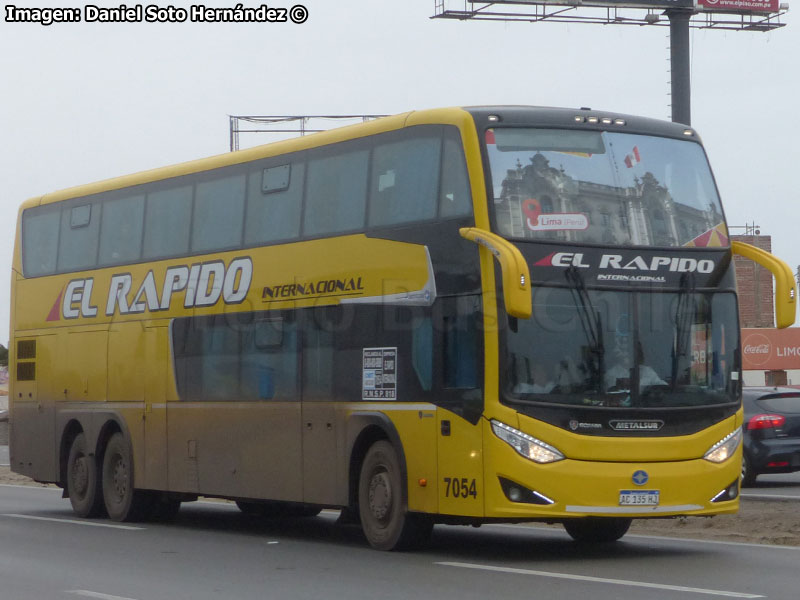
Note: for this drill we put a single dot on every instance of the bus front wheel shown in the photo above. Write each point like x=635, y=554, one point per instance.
x=385, y=520
x=597, y=529
x=82, y=483
x=123, y=502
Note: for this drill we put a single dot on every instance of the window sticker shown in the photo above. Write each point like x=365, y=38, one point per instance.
x=538, y=221
x=699, y=365
x=379, y=379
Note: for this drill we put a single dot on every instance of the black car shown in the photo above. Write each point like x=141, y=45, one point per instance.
x=771, y=431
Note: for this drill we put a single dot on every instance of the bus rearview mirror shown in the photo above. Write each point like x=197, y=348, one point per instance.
x=785, y=285
x=516, y=276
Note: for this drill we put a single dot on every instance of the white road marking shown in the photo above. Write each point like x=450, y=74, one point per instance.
x=624, y=582
x=90, y=594
x=72, y=521
x=655, y=537
x=769, y=496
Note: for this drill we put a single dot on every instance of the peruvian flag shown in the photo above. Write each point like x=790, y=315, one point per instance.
x=633, y=159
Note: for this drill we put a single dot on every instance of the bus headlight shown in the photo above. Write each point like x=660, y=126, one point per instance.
x=528, y=446
x=724, y=449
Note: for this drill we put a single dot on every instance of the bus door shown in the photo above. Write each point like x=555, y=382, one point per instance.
x=458, y=365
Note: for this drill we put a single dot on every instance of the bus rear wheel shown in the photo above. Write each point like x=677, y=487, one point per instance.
x=597, y=529
x=385, y=519
x=83, y=485
x=123, y=502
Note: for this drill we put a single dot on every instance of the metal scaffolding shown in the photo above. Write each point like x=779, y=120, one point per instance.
x=568, y=12
x=678, y=15
x=288, y=125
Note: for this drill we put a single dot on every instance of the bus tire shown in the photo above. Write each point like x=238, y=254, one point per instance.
x=123, y=502
x=385, y=519
x=597, y=529
x=83, y=483
x=748, y=474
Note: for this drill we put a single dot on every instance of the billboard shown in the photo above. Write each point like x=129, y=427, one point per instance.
x=660, y=4
x=771, y=349
x=739, y=6
x=708, y=6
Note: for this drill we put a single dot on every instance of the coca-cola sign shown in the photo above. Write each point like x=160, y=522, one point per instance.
x=771, y=349
x=756, y=349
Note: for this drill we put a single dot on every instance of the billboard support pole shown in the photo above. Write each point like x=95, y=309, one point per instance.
x=680, y=65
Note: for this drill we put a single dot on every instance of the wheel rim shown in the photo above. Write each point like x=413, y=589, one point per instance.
x=80, y=476
x=380, y=496
x=119, y=478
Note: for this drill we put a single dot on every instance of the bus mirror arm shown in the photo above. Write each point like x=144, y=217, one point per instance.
x=516, y=275
x=785, y=285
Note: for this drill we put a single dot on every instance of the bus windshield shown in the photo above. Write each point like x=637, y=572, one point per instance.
x=604, y=188
x=624, y=349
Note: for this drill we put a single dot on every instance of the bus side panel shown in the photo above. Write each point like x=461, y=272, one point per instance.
x=236, y=449
x=418, y=435
x=460, y=483
x=81, y=365
x=33, y=450
x=126, y=377
x=156, y=360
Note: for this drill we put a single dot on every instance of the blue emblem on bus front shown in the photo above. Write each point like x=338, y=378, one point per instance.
x=640, y=477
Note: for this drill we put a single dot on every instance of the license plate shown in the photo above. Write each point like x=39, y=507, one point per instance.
x=638, y=498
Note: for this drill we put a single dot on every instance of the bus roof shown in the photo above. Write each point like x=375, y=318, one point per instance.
x=509, y=116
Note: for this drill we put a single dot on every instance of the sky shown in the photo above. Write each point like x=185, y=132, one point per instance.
x=81, y=102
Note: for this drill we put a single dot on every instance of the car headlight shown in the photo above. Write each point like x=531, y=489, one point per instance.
x=528, y=446
x=724, y=449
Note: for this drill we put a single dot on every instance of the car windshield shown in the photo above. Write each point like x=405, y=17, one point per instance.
x=601, y=187
x=624, y=349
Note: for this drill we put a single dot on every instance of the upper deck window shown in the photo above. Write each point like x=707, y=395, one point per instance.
x=121, y=230
x=603, y=188
x=336, y=191
x=404, y=181
x=218, y=213
x=78, y=241
x=168, y=222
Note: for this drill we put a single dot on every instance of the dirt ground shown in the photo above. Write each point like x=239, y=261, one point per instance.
x=774, y=522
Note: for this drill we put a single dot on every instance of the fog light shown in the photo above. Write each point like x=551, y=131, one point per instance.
x=519, y=493
x=729, y=493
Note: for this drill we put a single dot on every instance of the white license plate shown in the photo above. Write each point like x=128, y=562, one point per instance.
x=638, y=498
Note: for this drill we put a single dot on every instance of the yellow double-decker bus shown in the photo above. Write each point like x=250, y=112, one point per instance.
x=448, y=316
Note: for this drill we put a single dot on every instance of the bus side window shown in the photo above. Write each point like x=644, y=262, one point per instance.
x=80, y=226
x=40, y=240
x=455, y=199
x=167, y=222
x=318, y=356
x=235, y=358
x=460, y=353
x=422, y=352
x=121, y=230
x=218, y=214
x=274, y=200
x=405, y=177
x=336, y=190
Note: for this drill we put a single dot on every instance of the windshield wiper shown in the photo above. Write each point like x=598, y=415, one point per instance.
x=592, y=325
x=684, y=316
